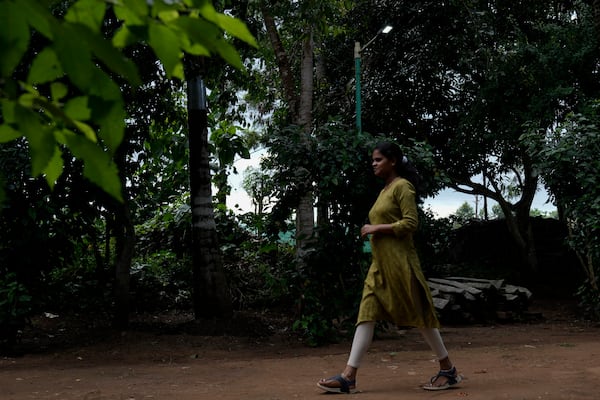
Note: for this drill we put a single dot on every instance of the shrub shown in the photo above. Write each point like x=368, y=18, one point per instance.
x=15, y=309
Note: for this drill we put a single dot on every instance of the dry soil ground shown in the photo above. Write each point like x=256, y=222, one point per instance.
x=554, y=358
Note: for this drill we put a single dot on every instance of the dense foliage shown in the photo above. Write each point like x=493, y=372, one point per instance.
x=568, y=161
x=456, y=83
x=88, y=105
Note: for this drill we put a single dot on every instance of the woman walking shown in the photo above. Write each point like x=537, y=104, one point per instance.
x=395, y=289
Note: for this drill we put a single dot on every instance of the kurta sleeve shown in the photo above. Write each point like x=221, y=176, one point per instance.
x=404, y=195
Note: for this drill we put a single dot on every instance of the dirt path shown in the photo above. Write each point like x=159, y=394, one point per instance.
x=554, y=359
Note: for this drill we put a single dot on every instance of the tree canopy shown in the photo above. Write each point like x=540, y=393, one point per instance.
x=488, y=98
x=57, y=91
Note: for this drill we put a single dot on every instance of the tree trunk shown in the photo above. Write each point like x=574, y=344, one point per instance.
x=519, y=222
x=123, y=229
x=517, y=216
x=283, y=62
x=211, y=295
x=519, y=226
x=110, y=220
x=125, y=244
x=300, y=108
x=305, y=218
x=596, y=13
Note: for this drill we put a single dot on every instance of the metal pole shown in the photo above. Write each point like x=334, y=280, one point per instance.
x=357, y=50
x=357, y=85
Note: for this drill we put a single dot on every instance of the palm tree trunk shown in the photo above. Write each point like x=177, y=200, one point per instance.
x=211, y=295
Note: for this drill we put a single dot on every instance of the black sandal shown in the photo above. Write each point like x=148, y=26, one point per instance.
x=346, y=386
x=452, y=379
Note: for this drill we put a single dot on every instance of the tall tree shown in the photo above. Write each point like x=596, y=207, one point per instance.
x=469, y=78
x=257, y=185
x=299, y=104
x=210, y=291
x=568, y=160
x=70, y=96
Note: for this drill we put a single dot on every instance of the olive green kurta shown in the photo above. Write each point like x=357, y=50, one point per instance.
x=395, y=289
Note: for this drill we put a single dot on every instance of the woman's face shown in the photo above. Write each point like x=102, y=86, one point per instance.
x=382, y=166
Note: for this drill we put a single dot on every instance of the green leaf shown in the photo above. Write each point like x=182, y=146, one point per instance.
x=8, y=134
x=201, y=35
x=74, y=56
x=168, y=15
x=160, y=7
x=236, y=28
x=125, y=37
x=195, y=49
x=207, y=10
x=45, y=67
x=110, y=116
x=109, y=55
x=195, y=3
x=103, y=86
x=87, y=131
x=14, y=37
x=77, y=108
x=87, y=12
x=165, y=44
x=55, y=168
x=38, y=16
x=200, y=31
x=58, y=90
x=28, y=99
x=245, y=153
x=132, y=11
x=41, y=141
x=98, y=167
x=229, y=54
x=8, y=110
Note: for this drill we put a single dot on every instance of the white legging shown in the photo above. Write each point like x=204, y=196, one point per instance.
x=364, y=336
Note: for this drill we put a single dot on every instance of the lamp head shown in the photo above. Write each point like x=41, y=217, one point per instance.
x=386, y=29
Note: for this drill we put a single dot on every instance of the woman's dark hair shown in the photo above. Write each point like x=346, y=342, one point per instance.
x=404, y=168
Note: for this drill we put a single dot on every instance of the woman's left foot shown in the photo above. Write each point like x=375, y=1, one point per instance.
x=444, y=379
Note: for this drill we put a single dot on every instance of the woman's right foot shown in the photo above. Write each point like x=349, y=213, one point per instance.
x=338, y=384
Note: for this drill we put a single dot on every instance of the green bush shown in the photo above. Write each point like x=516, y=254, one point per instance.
x=567, y=158
x=160, y=281
x=432, y=239
x=328, y=286
x=589, y=301
x=15, y=308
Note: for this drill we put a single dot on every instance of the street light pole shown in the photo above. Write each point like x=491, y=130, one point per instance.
x=357, y=51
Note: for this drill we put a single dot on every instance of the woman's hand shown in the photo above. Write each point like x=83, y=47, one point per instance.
x=367, y=229
x=382, y=229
